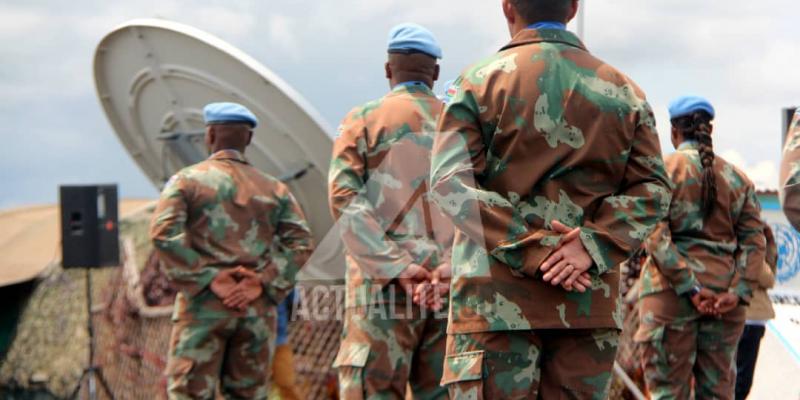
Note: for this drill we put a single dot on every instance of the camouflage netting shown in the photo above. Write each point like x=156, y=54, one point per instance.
x=315, y=344
x=49, y=349
x=131, y=314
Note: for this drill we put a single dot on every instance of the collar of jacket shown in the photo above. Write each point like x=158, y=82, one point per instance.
x=689, y=145
x=233, y=155
x=530, y=36
x=409, y=87
x=548, y=25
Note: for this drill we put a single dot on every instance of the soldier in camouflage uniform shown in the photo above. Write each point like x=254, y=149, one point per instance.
x=393, y=236
x=704, y=261
x=213, y=230
x=549, y=164
x=790, y=173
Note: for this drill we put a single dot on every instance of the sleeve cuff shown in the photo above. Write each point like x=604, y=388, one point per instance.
x=388, y=275
x=686, y=286
x=191, y=284
x=269, y=275
x=745, y=291
x=526, y=256
x=597, y=249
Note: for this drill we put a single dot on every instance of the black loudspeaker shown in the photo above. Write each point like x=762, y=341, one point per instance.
x=89, y=226
x=788, y=114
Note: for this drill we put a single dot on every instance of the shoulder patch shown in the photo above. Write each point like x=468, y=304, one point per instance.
x=450, y=92
x=172, y=180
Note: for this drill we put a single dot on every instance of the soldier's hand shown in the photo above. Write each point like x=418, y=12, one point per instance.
x=248, y=290
x=725, y=303
x=412, y=276
x=704, y=301
x=569, y=261
x=580, y=284
x=433, y=294
x=224, y=283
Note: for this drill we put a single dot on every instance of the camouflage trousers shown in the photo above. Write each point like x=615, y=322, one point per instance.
x=543, y=364
x=386, y=348
x=679, y=344
x=237, y=351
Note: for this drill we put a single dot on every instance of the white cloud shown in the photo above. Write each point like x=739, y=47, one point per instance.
x=48, y=53
x=772, y=70
x=340, y=18
x=17, y=22
x=740, y=53
x=282, y=33
x=234, y=23
x=764, y=174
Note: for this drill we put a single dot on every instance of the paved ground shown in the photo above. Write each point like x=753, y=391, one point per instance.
x=778, y=369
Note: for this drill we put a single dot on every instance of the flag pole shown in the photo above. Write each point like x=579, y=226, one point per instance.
x=582, y=20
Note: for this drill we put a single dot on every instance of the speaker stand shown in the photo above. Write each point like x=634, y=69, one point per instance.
x=93, y=373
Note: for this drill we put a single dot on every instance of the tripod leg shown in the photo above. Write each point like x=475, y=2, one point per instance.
x=77, y=390
x=103, y=384
x=92, y=373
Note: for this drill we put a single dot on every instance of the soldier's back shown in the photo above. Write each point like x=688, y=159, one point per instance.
x=708, y=242
x=231, y=208
x=557, y=106
x=561, y=136
x=383, y=156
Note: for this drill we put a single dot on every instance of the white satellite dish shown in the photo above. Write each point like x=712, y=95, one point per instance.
x=153, y=79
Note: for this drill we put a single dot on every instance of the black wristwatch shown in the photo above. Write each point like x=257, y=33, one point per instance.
x=694, y=291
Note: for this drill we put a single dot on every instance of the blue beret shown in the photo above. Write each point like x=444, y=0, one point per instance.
x=220, y=113
x=413, y=38
x=687, y=105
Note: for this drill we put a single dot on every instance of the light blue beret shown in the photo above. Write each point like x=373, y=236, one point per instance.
x=221, y=113
x=409, y=38
x=687, y=105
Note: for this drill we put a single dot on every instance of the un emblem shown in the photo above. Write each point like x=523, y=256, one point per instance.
x=788, y=240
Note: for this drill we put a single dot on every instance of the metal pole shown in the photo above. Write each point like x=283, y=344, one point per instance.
x=788, y=115
x=628, y=382
x=582, y=20
x=92, y=373
x=90, y=328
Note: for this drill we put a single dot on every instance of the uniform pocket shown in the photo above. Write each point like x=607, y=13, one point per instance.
x=463, y=375
x=178, y=371
x=649, y=333
x=661, y=347
x=350, y=363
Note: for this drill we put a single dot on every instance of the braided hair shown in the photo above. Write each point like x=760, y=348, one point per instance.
x=697, y=127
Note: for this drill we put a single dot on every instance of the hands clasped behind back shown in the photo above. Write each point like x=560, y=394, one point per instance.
x=237, y=287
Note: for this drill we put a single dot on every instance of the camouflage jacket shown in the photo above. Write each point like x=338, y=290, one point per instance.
x=725, y=250
x=379, y=193
x=790, y=173
x=541, y=131
x=222, y=213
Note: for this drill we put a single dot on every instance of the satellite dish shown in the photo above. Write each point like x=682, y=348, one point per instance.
x=153, y=79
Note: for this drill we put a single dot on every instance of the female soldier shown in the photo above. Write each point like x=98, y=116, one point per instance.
x=704, y=261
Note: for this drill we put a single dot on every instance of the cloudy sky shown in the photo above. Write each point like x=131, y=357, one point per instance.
x=744, y=55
